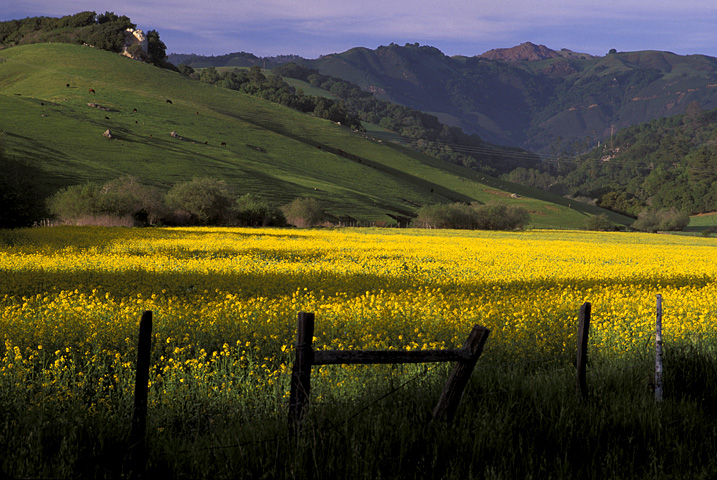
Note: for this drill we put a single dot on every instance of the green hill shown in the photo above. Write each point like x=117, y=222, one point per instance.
x=256, y=146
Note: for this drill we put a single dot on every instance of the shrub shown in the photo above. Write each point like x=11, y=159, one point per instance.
x=455, y=215
x=253, y=211
x=464, y=216
x=304, y=212
x=502, y=217
x=666, y=220
x=125, y=199
x=126, y=196
x=75, y=201
x=599, y=222
x=205, y=201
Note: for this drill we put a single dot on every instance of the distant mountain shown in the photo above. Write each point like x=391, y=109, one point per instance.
x=531, y=53
x=529, y=96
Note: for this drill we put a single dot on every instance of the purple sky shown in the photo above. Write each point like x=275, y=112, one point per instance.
x=311, y=28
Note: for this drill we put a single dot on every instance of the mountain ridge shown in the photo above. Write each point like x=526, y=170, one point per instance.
x=531, y=52
x=530, y=96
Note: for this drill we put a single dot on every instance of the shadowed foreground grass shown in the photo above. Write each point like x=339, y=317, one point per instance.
x=515, y=421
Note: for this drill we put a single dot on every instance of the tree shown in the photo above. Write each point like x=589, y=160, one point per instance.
x=254, y=211
x=304, y=212
x=661, y=220
x=126, y=196
x=209, y=75
x=464, y=216
x=156, y=48
x=255, y=75
x=76, y=201
x=205, y=201
x=599, y=223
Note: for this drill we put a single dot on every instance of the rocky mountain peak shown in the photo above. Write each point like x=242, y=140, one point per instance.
x=530, y=52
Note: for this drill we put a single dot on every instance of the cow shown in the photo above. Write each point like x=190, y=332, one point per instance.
x=92, y=90
x=224, y=144
x=169, y=101
x=134, y=110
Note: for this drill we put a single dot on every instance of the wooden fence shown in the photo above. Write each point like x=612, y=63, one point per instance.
x=306, y=358
x=465, y=359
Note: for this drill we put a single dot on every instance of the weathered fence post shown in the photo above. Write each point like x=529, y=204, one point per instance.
x=583, y=331
x=458, y=379
x=139, y=417
x=658, y=350
x=301, y=375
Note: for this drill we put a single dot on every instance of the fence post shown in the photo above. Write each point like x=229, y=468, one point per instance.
x=658, y=350
x=461, y=373
x=139, y=417
x=301, y=375
x=582, y=360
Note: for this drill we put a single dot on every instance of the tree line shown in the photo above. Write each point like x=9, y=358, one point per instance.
x=200, y=201
x=273, y=88
x=668, y=163
x=105, y=31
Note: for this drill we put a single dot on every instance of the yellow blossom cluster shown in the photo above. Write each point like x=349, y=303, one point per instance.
x=225, y=301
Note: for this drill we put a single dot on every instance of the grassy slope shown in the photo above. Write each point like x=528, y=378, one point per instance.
x=269, y=149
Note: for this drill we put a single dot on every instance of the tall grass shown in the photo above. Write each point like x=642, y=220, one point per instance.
x=521, y=420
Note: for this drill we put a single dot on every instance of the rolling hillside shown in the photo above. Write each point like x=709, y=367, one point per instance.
x=256, y=146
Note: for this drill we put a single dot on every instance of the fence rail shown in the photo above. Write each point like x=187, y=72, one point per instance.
x=306, y=358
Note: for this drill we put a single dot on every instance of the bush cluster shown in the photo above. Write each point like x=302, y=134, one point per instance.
x=661, y=220
x=472, y=217
x=600, y=223
x=304, y=212
x=200, y=201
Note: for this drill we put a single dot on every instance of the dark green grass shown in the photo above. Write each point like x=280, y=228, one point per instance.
x=520, y=420
x=268, y=149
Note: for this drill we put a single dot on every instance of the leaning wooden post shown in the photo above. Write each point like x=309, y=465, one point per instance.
x=453, y=390
x=658, y=350
x=139, y=417
x=583, y=331
x=301, y=375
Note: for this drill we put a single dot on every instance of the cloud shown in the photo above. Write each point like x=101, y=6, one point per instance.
x=313, y=27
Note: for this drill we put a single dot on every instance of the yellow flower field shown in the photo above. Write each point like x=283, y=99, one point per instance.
x=225, y=301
